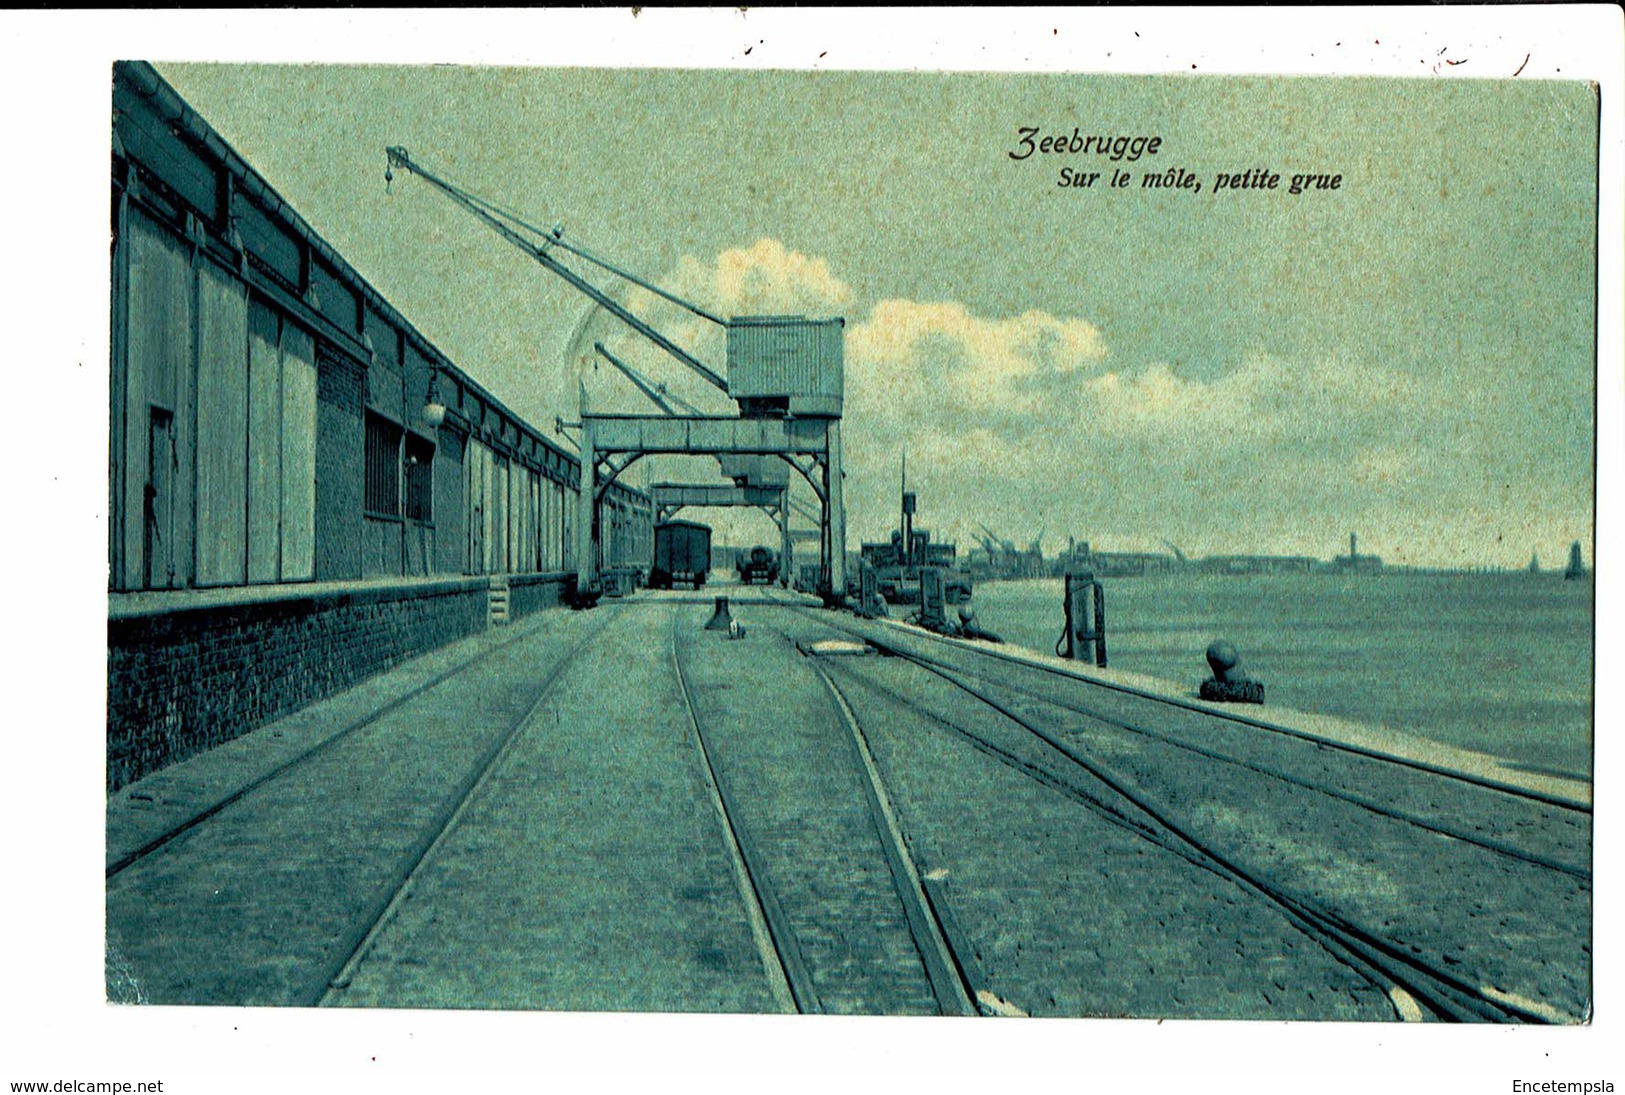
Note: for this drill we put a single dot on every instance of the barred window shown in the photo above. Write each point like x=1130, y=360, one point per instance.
x=419, y=478
x=383, y=472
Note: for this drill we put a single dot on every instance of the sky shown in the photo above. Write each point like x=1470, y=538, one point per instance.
x=1409, y=356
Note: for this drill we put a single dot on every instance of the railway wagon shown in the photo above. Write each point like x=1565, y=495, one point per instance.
x=759, y=564
x=682, y=554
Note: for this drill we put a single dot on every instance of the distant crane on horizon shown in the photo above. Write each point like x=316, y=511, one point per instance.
x=1007, y=545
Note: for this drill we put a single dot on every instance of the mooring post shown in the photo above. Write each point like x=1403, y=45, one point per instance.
x=1085, y=618
x=720, y=619
x=870, y=606
x=1100, y=623
x=933, y=599
x=1229, y=683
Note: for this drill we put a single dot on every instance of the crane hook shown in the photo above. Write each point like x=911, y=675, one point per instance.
x=389, y=176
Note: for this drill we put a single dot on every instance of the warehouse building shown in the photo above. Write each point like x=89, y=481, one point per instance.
x=302, y=490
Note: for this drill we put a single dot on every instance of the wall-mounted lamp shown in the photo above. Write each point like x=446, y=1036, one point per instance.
x=434, y=411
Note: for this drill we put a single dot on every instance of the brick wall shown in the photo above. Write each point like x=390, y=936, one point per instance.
x=183, y=681
x=529, y=593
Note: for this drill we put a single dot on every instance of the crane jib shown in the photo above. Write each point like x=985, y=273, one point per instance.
x=399, y=157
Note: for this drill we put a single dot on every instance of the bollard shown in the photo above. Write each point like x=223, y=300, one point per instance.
x=1229, y=683
x=1223, y=659
x=870, y=605
x=720, y=619
x=970, y=629
x=933, y=599
x=577, y=598
x=1085, y=628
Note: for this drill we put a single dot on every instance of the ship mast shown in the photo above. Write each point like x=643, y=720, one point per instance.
x=906, y=523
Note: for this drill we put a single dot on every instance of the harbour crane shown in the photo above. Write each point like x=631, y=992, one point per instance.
x=1004, y=545
x=796, y=418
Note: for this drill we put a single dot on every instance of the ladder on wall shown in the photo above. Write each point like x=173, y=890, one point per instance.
x=497, y=598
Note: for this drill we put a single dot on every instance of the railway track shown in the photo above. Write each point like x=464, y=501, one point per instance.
x=780, y=951
x=799, y=969
x=1499, y=812
x=349, y=925
x=1071, y=762
x=1494, y=813
x=342, y=914
x=191, y=819
x=353, y=946
x=374, y=868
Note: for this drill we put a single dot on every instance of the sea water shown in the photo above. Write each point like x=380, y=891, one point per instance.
x=1500, y=663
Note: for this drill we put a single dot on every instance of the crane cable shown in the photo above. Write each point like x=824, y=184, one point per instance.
x=555, y=238
x=501, y=222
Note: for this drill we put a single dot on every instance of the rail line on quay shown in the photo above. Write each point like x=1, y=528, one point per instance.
x=352, y=950
x=782, y=960
x=944, y=963
x=782, y=955
x=1380, y=960
x=1240, y=718
x=1371, y=957
x=1431, y=824
x=129, y=859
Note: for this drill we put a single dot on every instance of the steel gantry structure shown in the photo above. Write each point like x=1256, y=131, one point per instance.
x=610, y=443
x=670, y=498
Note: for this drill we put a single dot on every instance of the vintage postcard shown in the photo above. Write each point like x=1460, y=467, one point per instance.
x=831, y=535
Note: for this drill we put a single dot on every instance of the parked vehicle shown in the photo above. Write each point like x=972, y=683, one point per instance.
x=682, y=554
x=759, y=564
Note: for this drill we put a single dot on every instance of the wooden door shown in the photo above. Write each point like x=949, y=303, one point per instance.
x=160, y=501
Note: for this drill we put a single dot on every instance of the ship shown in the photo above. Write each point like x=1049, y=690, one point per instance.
x=897, y=562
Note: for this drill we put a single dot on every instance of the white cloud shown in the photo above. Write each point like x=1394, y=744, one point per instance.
x=766, y=278
x=905, y=349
